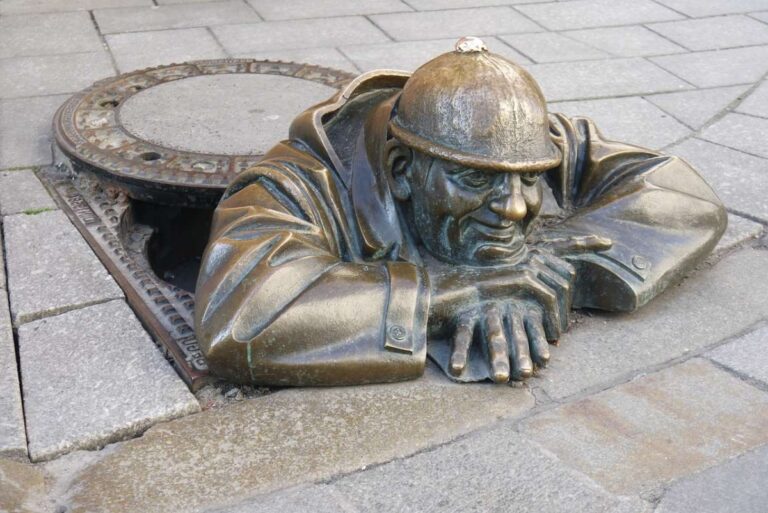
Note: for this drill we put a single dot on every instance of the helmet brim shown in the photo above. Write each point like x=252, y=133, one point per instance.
x=551, y=159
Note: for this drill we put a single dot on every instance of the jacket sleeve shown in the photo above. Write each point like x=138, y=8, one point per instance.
x=661, y=215
x=277, y=303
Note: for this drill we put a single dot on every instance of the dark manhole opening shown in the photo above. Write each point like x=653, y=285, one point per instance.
x=179, y=236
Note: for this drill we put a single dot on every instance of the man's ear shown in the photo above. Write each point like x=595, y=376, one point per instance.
x=398, y=159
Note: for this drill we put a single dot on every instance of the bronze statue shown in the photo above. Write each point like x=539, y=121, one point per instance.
x=401, y=217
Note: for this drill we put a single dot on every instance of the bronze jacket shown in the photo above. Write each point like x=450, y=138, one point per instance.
x=310, y=277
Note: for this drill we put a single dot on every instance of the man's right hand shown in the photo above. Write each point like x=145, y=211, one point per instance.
x=514, y=310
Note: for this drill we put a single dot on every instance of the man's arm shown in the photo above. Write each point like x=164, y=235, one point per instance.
x=277, y=303
x=660, y=215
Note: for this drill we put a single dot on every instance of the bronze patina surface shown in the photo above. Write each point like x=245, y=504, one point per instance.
x=88, y=128
x=402, y=217
x=148, y=220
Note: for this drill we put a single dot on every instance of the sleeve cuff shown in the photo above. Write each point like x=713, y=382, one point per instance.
x=405, y=328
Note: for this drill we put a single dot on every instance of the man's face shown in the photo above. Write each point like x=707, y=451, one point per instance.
x=471, y=216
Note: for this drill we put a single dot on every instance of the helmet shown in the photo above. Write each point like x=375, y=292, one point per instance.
x=476, y=108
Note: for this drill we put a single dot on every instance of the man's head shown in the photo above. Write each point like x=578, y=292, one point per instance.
x=471, y=140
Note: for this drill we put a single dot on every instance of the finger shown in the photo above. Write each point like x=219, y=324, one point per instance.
x=537, y=341
x=522, y=366
x=596, y=243
x=548, y=299
x=497, y=345
x=462, y=339
x=557, y=264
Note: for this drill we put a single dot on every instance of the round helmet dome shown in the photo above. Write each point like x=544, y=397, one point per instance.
x=478, y=109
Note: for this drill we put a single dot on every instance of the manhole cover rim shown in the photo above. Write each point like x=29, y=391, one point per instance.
x=116, y=166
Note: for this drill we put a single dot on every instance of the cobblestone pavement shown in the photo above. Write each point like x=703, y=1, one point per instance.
x=663, y=410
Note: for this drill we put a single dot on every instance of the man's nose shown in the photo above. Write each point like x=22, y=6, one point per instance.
x=510, y=204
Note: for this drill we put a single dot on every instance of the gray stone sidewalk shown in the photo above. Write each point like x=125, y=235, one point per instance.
x=663, y=410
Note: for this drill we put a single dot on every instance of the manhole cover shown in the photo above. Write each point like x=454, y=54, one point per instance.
x=179, y=134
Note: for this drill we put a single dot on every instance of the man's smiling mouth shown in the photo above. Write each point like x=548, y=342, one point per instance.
x=497, y=232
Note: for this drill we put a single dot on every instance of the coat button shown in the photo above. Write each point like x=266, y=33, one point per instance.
x=398, y=333
x=640, y=262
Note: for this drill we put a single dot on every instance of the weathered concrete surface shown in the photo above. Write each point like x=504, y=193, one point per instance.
x=732, y=31
x=633, y=120
x=747, y=354
x=741, y=132
x=737, y=485
x=738, y=179
x=139, y=50
x=51, y=269
x=718, y=67
x=21, y=191
x=739, y=231
x=657, y=428
x=757, y=103
x=626, y=41
x=586, y=79
x=694, y=108
x=494, y=471
x=707, y=308
x=283, y=439
x=25, y=130
x=13, y=439
x=22, y=487
x=270, y=10
x=21, y=35
x=93, y=376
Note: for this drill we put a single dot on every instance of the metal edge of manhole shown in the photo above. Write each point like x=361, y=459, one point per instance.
x=94, y=187
x=87, y=130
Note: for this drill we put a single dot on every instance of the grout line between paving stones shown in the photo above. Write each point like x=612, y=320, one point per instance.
x=720, y=115
x=508, y=45
x=749, y=14
x=55, y=312
x=104, y=42
x=218, y=42
x=521, y=13
x=750, y=115
x=666, y=38
x=376, y=25
x=681, y=13
x=348, y=59
x=747, y=215
x=251, y=7
x=763, y=387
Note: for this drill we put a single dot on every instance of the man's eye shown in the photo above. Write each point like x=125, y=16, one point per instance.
x=529, y=178
x=474, y=180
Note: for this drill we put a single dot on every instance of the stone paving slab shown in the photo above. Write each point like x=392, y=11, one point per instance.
x=42, y=6
x=137, y=50
x=434, y=5
x=739, y=231
x=13, y=439
x=718, y=67
x=686, y=318
x=738, y=179
x=43, y=34
x=21, y=191
x=747, y=355
x=25, y=130
x=291, y=34
x=51, y=269
x=296, y=9
x=587, y=79
x=140, y=19
x=52, y=74
x=455, y=23
x=632, y=120
x=757, y=103
x=315, y=498
x=410, y=55
x=552, y=47
x=92, y=377
x=699, y=8
x=737, y=485
x=762, y=16
x=740, y=132
x=494, y=471
x=714, y=33
x=596, y=13
x=632, y=41
x=286, y=438
x=640, y=435
x=694, y=108
x=329, y=57
x=22, y=486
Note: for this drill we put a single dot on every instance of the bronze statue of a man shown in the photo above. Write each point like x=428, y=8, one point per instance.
x=401, y=217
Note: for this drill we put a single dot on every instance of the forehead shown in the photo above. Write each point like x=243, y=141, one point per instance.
x=449, y=166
